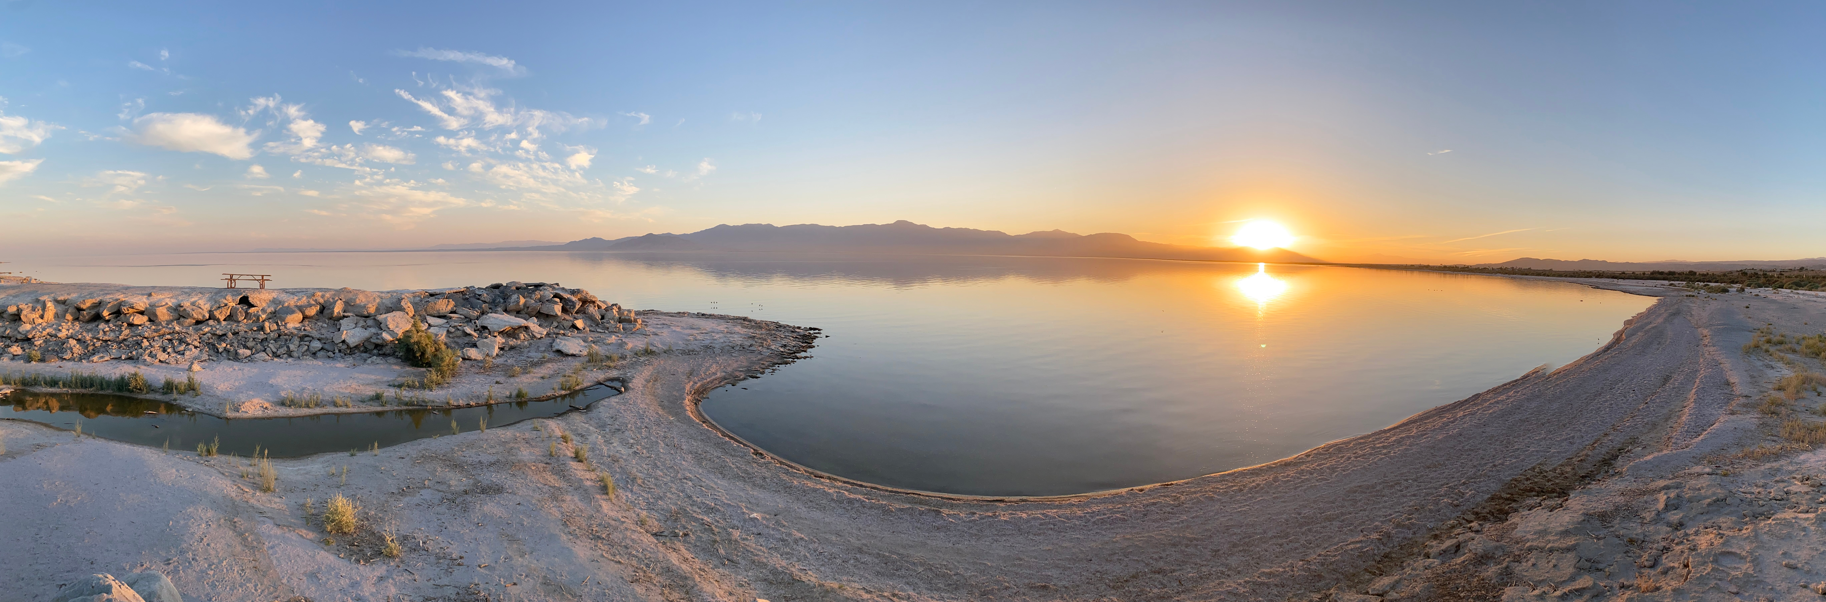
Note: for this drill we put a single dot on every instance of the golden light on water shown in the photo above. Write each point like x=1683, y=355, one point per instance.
x=1260, y=287
x=1262, y=235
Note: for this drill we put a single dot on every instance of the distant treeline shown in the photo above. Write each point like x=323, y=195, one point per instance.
x=1800, y=279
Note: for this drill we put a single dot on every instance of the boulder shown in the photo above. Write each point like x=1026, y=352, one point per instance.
x=354, y=337
x=474, y=355
x=97, y=588
x=290, y=315
x=569, y=346
x=136, y=320
x=243, y=353
x=161, y=313
x=251, y=406
x=258, y=298
x=533, y=328
x=332, y=309
x=152, y=586
x=194, y=314
x=222, y=314
x=440, y=307
x=489, y=346
x=396, y=322
x=131, y=306
x=237, y=313
x=309, y=309
x=552, y=309
x=500, y=322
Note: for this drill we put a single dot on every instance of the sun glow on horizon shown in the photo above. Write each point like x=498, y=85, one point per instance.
x=1262, y=235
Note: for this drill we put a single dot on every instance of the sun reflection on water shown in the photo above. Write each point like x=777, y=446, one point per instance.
x=1260, y=287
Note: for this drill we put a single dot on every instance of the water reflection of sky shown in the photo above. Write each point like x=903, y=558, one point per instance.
x=1010, y=375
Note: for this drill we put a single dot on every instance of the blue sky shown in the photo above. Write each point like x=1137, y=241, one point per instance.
x=1606, y=130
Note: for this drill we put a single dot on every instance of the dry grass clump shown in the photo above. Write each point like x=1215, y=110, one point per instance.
x=339, y=516
x=1797, y=384
x=608, y=483
x=1646, y=583
x=1803, y=431
x=581, y=453
x=1764, y=452
x=269, y=478
x=208, y=450
x=1774, y=405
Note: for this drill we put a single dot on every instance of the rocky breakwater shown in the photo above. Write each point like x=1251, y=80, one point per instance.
x=88, y=323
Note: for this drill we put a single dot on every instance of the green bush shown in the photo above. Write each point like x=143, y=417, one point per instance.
x=422, y=350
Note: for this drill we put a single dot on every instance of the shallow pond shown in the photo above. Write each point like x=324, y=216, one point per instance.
x=160, y=424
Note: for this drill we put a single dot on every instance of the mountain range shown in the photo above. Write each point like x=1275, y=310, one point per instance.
x=907, y=238
x=1530, y=263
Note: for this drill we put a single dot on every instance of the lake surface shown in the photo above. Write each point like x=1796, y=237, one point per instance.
x=1033, y=376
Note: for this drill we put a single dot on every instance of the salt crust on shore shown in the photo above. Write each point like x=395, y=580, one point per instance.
x=699, y=516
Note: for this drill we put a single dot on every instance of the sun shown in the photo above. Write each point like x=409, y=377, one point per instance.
x=1262, y=234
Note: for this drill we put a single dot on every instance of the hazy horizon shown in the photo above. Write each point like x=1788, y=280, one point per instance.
x=1429, y=132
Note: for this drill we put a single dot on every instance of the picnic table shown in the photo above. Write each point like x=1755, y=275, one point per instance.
x=234, y=279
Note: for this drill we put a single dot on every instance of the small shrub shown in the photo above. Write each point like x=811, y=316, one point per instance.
x=34, y=357
x=453, y=427
x=1794, y=385
x=482, y=425
x=339, y=516
x=308, y=510
x=1773, y=405
x=581, y=453
x=391, y=548
x=422, y=350
x=136, y=383
x=608, y=484
x=566, y=437
x=514, y=372
x=569, y=382
x=520, y=393
x=551, y=449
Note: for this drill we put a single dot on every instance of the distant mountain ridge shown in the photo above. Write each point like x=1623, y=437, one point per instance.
x=1530, y=263
x=905, y=237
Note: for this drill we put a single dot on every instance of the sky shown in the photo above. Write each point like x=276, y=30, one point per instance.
x=1433, y=131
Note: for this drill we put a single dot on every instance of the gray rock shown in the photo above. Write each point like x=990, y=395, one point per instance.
x=474, y=355
x=97, y=588
x=260, y=357
x=333, y=309
x=243, y=353
x=500, y=322
x=136, y=320
x=489, y=346
x=569, y=346
x=440, y=307
x=533, y=328
x=354, y=337
x=396, y=322
x=259, y=298
x=161, y=313
x=290, y=315
x=152, y=586
x=552, y=309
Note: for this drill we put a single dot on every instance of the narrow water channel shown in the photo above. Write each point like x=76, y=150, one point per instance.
x=159, y=424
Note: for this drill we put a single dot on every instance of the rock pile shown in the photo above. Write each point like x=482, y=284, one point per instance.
x=149, y=586
x=186, y=325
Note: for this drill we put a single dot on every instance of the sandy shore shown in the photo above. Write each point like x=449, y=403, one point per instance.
x=511, y=514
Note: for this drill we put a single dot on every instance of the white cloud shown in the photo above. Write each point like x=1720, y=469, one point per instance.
x=18, y=134
x=119, y=181
x=643, y=117
x=192, y=132
x=705, y=167
x=141, y=66
x=457, y=56
x=647, y=169
x=387, y=154
x=461, y=144
x=350, y=156
x=402, y=205
x=305, y=132
x=260, y=190
x=310, y=193
x=13, y=170
x=1440, y=152
x=13, y=51
x=623, y=188
x=461, y=109
x=164, y=55
x=357, y=126
x=256, y=172
x=131, y=108
x=740, y=116
x=298, y=174
x=581, y=156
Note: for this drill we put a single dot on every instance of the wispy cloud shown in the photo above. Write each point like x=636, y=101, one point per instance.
x=18, y=134
x=13, y=170
x=13, y=51
x=457, y=56
x=643, y=117
x=1486, y=235
x=1439, y=152
x=305, y=132
x=748, y=117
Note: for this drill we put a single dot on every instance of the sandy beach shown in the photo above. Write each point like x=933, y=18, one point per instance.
x=1620, y=475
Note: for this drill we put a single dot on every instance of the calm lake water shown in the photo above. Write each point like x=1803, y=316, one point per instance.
x=1034, y=376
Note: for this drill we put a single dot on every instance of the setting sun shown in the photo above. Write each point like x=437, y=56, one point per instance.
x=1262, y=234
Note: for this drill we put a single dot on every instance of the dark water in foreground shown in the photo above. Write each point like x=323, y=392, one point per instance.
x=160, y=424
x=1020, y=375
